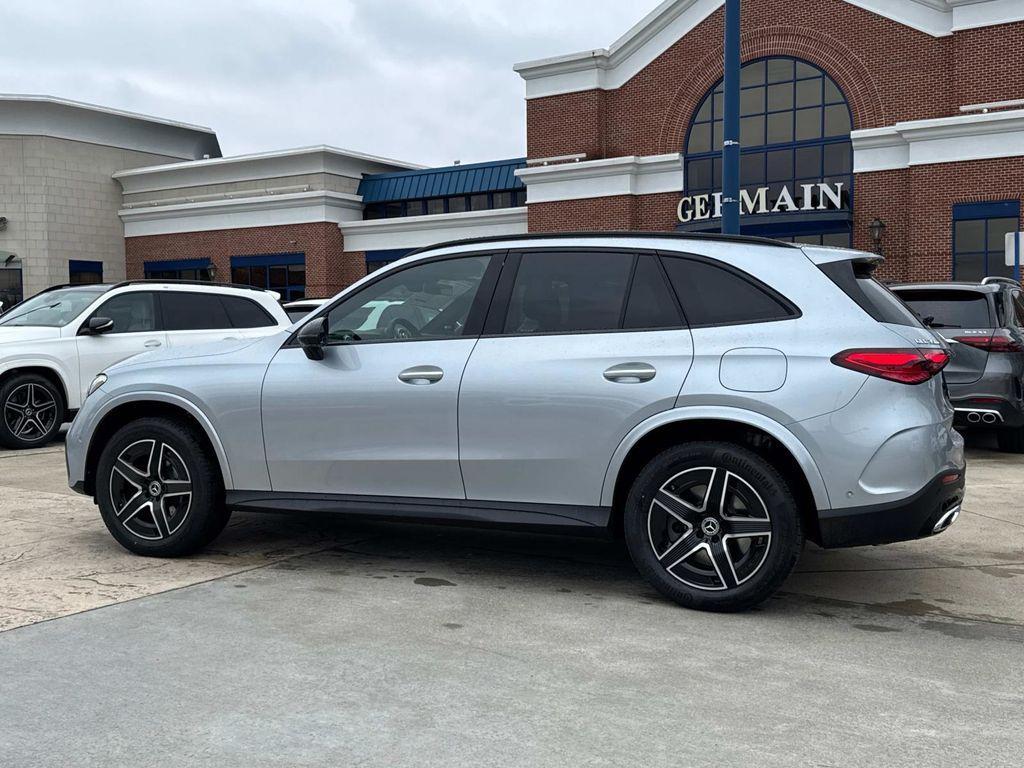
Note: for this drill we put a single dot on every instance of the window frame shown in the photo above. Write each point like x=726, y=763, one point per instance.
x=984, y=212
x=498, y=311
x=474, y=320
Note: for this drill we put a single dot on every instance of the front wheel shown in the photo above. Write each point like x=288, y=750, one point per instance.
x=713, y=526
x=159, y=491
x=33, y=410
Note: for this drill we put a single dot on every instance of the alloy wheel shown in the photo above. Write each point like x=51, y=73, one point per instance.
x=150, y=489
x=30, y=412
x=709, y=528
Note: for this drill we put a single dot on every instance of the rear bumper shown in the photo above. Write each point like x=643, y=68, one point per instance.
x=975, y=413
x=928, y=512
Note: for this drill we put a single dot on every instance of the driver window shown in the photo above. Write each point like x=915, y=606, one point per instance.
x=430, y=301
x=131, y=312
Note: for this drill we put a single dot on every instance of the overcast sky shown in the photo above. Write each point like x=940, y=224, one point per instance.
x=427, y=81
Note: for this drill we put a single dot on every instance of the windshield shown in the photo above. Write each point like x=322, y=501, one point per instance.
x=53, y=309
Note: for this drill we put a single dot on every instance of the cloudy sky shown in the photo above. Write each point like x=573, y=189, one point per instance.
x=427, y=81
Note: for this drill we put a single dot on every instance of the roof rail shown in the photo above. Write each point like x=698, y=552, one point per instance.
x=1005, y=280
x=709, y=236
x=207, y=283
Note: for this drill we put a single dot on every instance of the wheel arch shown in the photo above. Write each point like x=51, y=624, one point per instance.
x=765, y=436
x=48, y=372
x=152, y=405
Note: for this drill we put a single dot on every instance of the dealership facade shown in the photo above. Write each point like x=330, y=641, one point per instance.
x=889, y=125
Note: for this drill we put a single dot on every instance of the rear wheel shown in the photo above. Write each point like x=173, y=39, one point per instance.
x=1010, y=439
x=33, y=411
x=713, y=526
x=159, y=491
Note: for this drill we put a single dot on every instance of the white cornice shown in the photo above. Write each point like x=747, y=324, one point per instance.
x=258, y=166
x=940, y=140
x=34, y=115
x=610, y=68
x=242, y=212
x=603, y=178
x=419, y=231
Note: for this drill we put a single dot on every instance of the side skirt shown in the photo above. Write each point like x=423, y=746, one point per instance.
x=551, y=518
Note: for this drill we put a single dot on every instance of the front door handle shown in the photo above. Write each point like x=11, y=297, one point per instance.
x=153, y=344
x=421, y=374
x=630, y=373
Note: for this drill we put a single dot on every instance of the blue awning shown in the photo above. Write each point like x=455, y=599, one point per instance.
x=495, y=176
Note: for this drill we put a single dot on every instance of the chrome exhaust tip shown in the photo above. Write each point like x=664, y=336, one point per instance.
x=947, y=519
x=989, y=418
x=973, y=417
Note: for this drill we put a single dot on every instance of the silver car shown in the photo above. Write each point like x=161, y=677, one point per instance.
x=715, y=401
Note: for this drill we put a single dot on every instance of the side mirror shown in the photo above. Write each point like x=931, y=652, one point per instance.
x=97, y=326
x=312, y=338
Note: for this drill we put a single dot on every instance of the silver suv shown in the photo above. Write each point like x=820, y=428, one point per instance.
x=716, y=401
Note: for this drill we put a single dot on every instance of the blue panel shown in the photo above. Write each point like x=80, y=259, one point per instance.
x=175, y=264
x=1005, y=209
x=391, y=254
x=268, y=260
x=471, y=179
x=85, y=266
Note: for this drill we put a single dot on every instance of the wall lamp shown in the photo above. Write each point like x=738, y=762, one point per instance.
x=877, y=228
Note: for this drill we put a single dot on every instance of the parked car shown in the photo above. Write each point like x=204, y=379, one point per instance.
x=54, y=344
x=296, y=310
x=715, y=400
x=984, y=324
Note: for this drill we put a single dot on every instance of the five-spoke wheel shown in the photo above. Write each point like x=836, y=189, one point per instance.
x=713, y=525
x=159, y=488
x=32, y=411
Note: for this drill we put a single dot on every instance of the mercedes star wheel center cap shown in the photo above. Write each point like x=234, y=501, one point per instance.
x=710, y=526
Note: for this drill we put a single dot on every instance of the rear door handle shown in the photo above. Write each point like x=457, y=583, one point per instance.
x=630, y=373
x=421, y=374
x=153, y=344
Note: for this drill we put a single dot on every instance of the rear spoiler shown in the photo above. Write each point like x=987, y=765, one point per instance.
x=820, y=255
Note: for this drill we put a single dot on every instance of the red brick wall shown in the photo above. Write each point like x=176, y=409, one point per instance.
x=328, y=267
x=620, y=212
x=889, y=72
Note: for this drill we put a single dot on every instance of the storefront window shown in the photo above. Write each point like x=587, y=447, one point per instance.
x=85, y=272
x=10, y=287
x=184, y=269
x=284, y=273
x=979, y=238
x=795, y=134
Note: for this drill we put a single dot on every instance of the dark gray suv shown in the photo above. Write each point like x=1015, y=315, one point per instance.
x=984, y=323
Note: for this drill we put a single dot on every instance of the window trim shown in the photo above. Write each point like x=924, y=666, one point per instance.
x=498, y=311
x=474, y=320
x=985, y=212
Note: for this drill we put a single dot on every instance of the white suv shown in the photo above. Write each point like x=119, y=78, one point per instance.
x=53, y=345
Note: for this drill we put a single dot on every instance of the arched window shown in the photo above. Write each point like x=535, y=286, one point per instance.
x=794, y=131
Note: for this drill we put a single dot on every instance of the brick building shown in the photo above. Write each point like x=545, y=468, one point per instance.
x=892, y=125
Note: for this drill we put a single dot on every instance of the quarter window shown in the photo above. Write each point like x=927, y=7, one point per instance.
x=245, y=313
x=133, y=312
x=713, y=295
x=430, y=301
x=569, y=292
x=193, y=311
x=651, y=303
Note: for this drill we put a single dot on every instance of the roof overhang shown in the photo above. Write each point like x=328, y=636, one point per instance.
x=610, y=68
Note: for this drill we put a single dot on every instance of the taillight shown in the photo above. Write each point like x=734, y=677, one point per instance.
x=999, y=341
x=906, y=366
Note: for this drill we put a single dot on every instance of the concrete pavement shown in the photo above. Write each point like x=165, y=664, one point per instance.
x=320, y=641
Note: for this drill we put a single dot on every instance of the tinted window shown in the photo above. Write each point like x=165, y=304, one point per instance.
x=245, y=313
x=193, y=311
x=567, y=292
x=429, y=300
x=131, y=312
x=855, y=280
x=713, y=295
x=651, y=303
x=950, y=309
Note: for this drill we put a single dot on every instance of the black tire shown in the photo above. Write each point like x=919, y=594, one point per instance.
x=174, y=460
x=32, y=410
x=1010, y=439
x=754, y=567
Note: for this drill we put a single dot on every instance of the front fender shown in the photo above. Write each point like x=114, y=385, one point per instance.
x=67, y=377
x=718, y=413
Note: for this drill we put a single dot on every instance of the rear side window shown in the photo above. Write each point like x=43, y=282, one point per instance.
x=714, y=295
x=245, y=313
x=651, y=303
x=950, y=309
x=566, y=292
x=193, y=311
x=856, y=281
